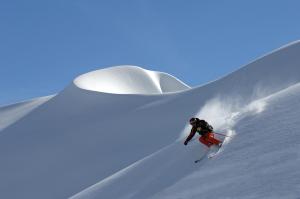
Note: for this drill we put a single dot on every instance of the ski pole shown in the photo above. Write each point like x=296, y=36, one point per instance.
x=223, y=135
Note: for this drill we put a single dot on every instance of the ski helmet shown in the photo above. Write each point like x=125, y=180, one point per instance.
x=193, y=121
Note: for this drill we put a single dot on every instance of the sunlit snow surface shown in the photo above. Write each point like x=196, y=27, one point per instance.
x=119, y=132
x=129, y=80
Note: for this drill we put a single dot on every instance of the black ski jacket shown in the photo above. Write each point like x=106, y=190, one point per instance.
x=201, y=127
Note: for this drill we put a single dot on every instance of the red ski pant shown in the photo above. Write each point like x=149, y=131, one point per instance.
x=209, y=139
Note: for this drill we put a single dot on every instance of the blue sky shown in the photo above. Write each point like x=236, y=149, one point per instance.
x=44, y=45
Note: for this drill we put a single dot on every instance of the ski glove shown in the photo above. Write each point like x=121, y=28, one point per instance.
x=185, y=143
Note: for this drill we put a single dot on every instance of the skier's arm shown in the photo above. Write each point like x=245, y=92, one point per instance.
x=191, y=135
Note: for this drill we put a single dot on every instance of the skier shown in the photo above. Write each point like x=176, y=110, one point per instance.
x=206, y=132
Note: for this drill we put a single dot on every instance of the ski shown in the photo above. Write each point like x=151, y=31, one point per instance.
x=198, y=160
x=214, y=151
x=209, y=151
x=213, y=154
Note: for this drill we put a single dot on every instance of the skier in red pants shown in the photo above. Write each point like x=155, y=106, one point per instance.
x=206, y=132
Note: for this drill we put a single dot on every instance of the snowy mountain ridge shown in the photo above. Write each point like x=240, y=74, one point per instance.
x=102, y=139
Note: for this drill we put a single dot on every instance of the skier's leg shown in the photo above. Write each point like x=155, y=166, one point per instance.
x=204, y=141
x=211, y=138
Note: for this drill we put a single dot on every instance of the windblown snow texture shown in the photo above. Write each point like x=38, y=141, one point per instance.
x=118, y=133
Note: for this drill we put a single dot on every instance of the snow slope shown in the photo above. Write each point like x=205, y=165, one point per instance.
x=124, y=139
x=11, y=113
x=261, y=162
